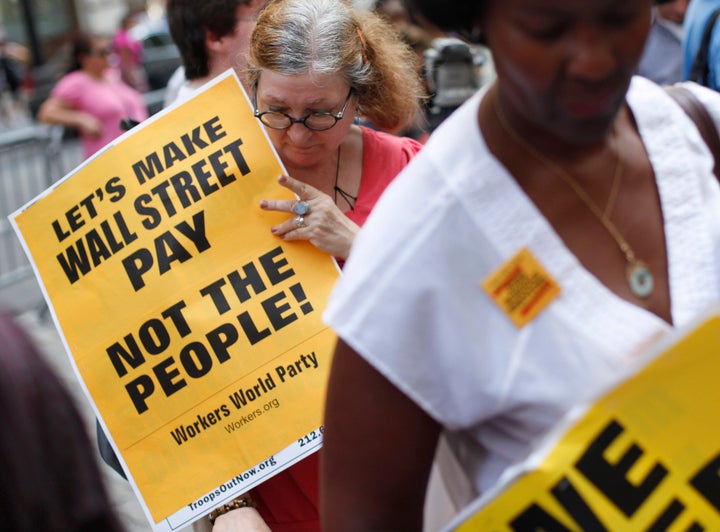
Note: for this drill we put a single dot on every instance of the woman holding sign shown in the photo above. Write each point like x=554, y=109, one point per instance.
x=313, y=66
x=552, y=228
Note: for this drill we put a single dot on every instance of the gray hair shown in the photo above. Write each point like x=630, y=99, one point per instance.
x=316, y=36
x=327, y=37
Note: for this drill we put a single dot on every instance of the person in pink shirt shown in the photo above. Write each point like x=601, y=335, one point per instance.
x=129, y=54
x=91, y=97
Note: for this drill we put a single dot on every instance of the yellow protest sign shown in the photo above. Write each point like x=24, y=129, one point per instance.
x=196, y=332
x=645, y=456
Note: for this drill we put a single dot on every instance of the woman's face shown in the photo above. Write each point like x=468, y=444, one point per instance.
x=564, y=66
x=299, y=95
x=97, y=60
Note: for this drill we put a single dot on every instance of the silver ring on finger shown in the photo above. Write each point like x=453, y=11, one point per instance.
x=300, y=221
x=301, y=208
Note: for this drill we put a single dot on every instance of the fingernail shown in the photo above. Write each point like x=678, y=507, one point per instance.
x=263, y=204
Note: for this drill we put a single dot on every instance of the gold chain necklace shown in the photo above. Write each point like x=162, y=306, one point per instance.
x=638, y=275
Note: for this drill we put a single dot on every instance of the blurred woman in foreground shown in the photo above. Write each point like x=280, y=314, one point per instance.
x=551, y=229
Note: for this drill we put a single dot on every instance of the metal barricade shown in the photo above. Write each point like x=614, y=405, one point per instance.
x=31, y=159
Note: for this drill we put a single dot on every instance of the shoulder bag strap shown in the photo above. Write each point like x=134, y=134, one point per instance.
x=700, y=70
x=704, y=122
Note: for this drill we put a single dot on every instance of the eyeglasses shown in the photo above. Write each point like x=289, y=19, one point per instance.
x=319, y=121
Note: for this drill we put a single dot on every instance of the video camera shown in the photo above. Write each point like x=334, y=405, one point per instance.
x=451, y=74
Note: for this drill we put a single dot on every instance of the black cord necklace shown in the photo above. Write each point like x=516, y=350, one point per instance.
x=349, y=199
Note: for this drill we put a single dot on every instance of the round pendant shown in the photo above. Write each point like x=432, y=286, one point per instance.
x=640, y=279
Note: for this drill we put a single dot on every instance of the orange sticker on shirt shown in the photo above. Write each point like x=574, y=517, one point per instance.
x=521, y=287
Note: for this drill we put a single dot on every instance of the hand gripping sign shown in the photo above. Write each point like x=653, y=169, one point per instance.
x=195, y=332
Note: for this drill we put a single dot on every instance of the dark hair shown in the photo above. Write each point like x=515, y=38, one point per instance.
x=458, y=16
x=128, y=18
x=49, y=477
x=81, y=46
x=188, y=21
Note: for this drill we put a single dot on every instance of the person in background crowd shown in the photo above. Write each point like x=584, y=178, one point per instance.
x=568, y=164
x=212, y=36
x=14, y=58
x=419, y=39
x=49, y=479
x=129, y=53
x=662, y=60
x=91, y=97
x=697, y=17
x=313, y=66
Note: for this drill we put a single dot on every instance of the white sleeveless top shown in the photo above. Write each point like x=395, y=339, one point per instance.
x=410, y=302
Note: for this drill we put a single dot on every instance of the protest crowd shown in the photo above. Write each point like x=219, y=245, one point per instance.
x=474, y=219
